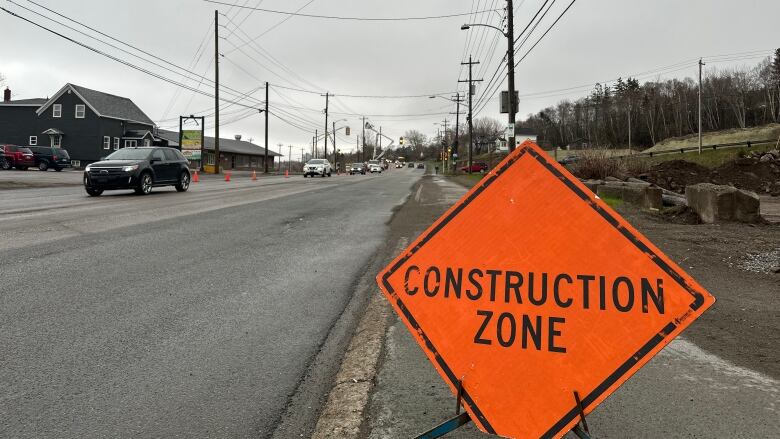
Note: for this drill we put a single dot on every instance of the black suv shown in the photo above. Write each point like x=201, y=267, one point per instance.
x=139, y=169
x=47, y=157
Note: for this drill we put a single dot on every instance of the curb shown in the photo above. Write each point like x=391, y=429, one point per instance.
x=342, y=415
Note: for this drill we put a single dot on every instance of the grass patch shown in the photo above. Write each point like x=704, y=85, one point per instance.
x=612, y=202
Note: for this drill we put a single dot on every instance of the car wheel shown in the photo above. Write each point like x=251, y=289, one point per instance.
x=304, y=175
x=94, y=192
x=43, y=166
x=58, y=169
x=145, y=184
x=329, y=174
x=184, y=182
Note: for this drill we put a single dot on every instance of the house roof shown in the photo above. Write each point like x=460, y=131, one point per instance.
x=104, y=104
x=36, y=102
x=225, y=145
x=137, y=134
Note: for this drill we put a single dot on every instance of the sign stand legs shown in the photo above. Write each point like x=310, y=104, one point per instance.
x=462, y=419
x=581, y=432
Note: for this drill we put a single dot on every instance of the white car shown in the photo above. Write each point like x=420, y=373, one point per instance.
x=319, y=167
x=375, y=166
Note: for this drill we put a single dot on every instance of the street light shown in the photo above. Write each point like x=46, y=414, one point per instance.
x=510, y=61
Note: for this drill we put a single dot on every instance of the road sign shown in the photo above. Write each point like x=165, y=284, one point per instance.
x=530, y=288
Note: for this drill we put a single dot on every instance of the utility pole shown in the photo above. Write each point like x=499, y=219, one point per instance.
x=316, y=144
x=265, y=158
x=327, y=95
x=457, y=125
x=289, y=158
x=471, y=82
x=629, y=126
x=281, y=154
x=510, y=37
x=217, y=161
x=363, y=151
x=334, y=144
x=701, y=64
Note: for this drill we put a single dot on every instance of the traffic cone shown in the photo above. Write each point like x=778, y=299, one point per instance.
x=254, y=175
x=196, y=177
x=227, y=176
x=286, y=173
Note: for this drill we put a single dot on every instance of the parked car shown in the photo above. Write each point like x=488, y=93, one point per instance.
x=357, y=168
x=48, y=157
x=410, y=165
x=421, y=166
x=319, y=167
x=399, y=165
x=374, y=166
x=475, y=167
x=139, y=169
x=16, y=157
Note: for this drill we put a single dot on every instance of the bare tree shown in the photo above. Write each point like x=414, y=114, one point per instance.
x=416, y=140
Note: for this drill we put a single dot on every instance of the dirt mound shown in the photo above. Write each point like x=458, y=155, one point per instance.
x=744, y=173
x=674, y=175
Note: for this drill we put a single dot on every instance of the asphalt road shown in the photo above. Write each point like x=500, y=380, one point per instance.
x=177, y=315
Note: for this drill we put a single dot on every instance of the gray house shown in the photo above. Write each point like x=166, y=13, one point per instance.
x=90, y=124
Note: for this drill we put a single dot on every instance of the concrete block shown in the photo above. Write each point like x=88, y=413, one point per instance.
x=593, y=185
x=638, y=194
x=610, y=191
x=714, y=203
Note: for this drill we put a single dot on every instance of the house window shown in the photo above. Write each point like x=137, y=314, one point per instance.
x=75, y=163
x=80, y=110
x=56, y=141
x=106, y=142
x=33, y=140
x=56, y=110
x=116, y=143
x=131, y=143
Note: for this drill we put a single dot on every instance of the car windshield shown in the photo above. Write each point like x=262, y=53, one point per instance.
x=373, y=162
x=130, y=154
x=316, y=162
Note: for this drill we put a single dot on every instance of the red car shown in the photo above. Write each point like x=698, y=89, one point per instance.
x=476, y=167
x=16, y=157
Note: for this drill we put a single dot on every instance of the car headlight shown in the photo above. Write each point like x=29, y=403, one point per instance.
x=130, y=168
x=88, y=168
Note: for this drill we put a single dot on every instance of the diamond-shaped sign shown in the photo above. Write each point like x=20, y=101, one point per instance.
x=530, y=289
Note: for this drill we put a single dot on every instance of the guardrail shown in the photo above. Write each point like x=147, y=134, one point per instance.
x=748, y=144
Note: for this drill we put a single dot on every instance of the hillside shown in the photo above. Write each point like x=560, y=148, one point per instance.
x=765, y=132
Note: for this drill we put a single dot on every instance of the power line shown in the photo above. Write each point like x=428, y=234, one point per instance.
x=112, y=57
x=334, y=17
x=185, y=75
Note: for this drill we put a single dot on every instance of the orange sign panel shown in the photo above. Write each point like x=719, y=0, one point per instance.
x=530, y=288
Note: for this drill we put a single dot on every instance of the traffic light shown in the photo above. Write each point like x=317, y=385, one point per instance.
x=347, y=131
x=401, y=141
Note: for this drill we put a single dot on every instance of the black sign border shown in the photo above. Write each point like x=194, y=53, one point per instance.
x=658, y=338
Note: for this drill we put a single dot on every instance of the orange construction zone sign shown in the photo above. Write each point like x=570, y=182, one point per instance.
x=529, y=289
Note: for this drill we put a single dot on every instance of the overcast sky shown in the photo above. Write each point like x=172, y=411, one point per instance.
x=596, y=41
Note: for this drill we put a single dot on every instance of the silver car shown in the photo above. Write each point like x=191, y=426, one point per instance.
x=319, y=167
